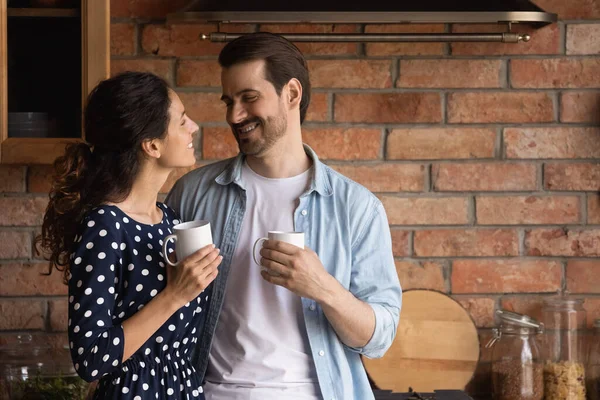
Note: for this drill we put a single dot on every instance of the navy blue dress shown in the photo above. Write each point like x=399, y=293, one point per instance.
x=116, y=268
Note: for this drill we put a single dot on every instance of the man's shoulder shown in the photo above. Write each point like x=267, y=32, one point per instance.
x=344, y=186
x=205, y=173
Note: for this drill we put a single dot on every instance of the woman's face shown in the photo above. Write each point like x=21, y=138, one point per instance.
x=178, y=145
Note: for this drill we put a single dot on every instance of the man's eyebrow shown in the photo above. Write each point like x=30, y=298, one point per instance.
x=225, y=97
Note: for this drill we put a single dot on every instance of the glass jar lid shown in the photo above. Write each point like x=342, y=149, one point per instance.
x=520, y=320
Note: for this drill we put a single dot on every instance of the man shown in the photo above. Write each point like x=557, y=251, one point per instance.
x=295, y=326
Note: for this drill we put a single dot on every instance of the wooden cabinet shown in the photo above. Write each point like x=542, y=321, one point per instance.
x=52, y=54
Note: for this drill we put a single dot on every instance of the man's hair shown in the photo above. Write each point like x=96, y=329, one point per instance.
x=283, y=61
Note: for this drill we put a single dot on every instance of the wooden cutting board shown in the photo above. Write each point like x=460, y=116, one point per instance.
x=436, y=346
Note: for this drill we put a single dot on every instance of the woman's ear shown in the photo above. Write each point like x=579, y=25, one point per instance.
x=294, y=92
x=151, y=148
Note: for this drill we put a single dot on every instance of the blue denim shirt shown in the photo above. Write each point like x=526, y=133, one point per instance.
x=344, y=224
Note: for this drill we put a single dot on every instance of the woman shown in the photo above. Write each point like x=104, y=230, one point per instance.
x=133, y=320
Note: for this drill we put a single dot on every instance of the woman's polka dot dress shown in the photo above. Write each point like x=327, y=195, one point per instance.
x=116, y=268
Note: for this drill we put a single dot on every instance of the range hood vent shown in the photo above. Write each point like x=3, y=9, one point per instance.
x=508, y=12
x=363, y=11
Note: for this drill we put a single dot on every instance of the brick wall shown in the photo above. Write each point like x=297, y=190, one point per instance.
x=484, y=155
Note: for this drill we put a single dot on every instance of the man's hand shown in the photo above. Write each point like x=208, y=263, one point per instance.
x=298, y=270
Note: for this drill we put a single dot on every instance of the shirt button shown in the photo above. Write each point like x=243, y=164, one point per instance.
x=304, y=212
x=312, y=307
x=321, y=353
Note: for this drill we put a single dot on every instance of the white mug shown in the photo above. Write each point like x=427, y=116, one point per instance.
x=295, y=238
x=189, y=237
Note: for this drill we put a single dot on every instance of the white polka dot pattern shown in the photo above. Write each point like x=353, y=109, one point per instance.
x=116, y=269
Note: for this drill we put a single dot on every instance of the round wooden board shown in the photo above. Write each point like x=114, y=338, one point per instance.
x=436, y=346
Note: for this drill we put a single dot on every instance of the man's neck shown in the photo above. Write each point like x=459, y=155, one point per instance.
x=285, y=159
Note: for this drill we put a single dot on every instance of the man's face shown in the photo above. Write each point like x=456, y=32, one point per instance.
x=256, y=114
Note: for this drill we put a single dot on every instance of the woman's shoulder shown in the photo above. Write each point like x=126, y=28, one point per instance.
x=170, y=214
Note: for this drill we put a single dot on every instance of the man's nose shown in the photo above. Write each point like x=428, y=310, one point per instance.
x=237, y=114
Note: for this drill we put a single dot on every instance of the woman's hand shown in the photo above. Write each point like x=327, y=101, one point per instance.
x=193, y=274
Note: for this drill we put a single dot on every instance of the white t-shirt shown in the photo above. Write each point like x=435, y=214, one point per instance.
x=260, y=349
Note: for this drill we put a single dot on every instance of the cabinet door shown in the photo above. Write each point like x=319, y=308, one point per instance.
x=46, y=92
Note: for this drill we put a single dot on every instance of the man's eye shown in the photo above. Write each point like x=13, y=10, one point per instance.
x=250, y=98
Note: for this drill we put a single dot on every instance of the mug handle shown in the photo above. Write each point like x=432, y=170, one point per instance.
x=165, y=254
x=254, y=248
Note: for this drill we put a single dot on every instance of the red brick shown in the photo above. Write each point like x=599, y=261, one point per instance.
x=404, y=49
x=530, y=306
x=184, y=39
x=528, y=210
x=426, y=211
x=29, y=279
x=22, y=211
x=572, y=176
x=362, y=74
x=203, y=107
x=386, y=177
x=451, y=74
x=21, y=314
x=592, y=308
x=199, y=73
x=144, y=8
x=534, y=143
x=174, y=176
x=555, y=73
x=15, y=244
x=400, y=243
x=316, y=48
x=162, y=68
x=580, y=107
x=440, y=143
x=416, y=275
x=466, y=243
x=344, y=143
x=544, y=40
x=583, y=276
x=59, y=314
x=490, y=107
x=505, y=276
x=449, y=177
x=218, y=143
x=318, y=110
x=573, y=9
x=388, y=107
x=481, y=309
x=12, y=178
x=39, y=178
x=562, y=242
x=593, y=207
x=122, y=39
x=582, y=39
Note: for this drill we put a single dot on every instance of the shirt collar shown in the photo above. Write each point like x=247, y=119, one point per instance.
x=319, y=181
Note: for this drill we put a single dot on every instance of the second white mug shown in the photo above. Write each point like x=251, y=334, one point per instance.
x=295, y=238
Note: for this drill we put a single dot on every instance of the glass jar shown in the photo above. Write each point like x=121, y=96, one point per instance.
x=564, y=370
x=517, y=369
x=31, y=370
x=592, y=370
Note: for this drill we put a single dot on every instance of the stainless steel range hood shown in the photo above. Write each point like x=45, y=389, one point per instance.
x=365, y=12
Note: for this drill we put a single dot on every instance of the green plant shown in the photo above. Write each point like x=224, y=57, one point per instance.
x=48, y=388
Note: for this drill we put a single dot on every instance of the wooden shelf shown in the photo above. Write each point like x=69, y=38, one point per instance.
x=43, y=12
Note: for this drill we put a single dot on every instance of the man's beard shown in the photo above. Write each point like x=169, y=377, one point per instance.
x=273, y=128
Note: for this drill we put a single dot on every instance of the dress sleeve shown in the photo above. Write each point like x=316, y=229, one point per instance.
x=96, y=344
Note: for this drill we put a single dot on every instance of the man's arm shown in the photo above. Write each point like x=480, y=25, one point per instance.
x=365, y=317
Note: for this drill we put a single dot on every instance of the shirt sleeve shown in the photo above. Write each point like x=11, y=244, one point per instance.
x=374, y=280
x=96, y=344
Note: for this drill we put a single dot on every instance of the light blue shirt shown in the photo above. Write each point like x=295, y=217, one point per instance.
x=345, y=225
